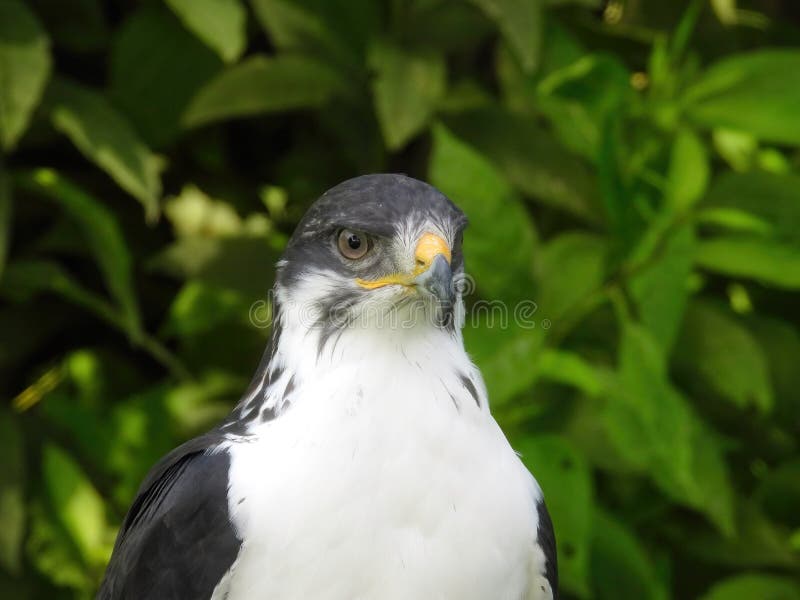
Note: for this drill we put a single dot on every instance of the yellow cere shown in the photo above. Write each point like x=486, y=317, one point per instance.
x=429, y=247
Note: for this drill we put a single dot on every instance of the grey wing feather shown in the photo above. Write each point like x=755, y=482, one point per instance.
x=177, y=541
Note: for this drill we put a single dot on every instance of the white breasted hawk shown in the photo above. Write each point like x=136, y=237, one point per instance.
x=363, y=461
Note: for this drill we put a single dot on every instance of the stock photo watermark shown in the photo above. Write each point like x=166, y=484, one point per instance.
x=408, y=311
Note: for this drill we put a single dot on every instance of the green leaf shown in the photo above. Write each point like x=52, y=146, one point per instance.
x=102, y=233
x=754, y=92
x=572, y=266
x=107, y=139
x=472, y=182
x=5, y=216
x=77, y=503
x=78, y=26
x=655, y=429
x=688, y=174
x=221, y=24
x=12, y=499
x=531, y=158
x=520, y=22
x=566, y=481
x=770, y=262
x=715, y=348
x=407, y=87
x=199, y=307
x=262, y=85
x=571, y=369
x=620, y=567
x=767, y=197
x=661, y=290
x=154, y=38
x=52, y=551
x=336, y=32
x=755, y=585
x=24, y=69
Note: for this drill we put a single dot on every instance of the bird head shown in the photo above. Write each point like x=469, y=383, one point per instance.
x=379, y=250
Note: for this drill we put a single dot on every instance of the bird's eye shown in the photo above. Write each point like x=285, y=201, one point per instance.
x=352, y=245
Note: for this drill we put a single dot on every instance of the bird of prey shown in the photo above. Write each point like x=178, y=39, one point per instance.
x=362, y=462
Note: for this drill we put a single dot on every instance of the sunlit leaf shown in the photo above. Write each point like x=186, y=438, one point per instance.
x=474, y=184
x=79, y=507
x=520, y=22
x=770, y=262
x=221, y=24
x=24, y=69
x=566, y=482
x=688, y=174
x=734, y=92
x=261, y=85
x=407, y=87
x=755, y=585
x=107, y=139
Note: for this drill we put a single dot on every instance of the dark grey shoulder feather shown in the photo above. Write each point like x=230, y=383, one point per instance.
x=546, y=538
x=177, y=541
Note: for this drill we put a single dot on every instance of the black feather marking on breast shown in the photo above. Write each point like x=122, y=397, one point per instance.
x=470, y=387
x=546, y=538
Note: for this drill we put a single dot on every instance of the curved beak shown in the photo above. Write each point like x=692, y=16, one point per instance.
x=432, y=272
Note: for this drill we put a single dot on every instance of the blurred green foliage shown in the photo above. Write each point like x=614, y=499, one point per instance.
x=631, y=166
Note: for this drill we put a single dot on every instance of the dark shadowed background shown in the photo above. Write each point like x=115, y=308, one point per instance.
x=631, y=167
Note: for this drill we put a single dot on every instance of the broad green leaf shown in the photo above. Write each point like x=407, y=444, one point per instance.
x=572, y=266
x=221, y=24
x=506, y=354
x=770, y=262
x=756, y=92
x=199, y=307
x=531, y=158
x=154, y=37
x=767, y=197
x=77, y=503
x=262, y=85
x=12, y=499
x=736, y=147
x=5, y=216
x=24, y=69
x=407, y=86
x=688, y=171
x=520, y=22
x=620, y=566
x=103, y=235
x=719, y=351
x=336, y=32
x=571, y=369
x=655, y=429
x=107, y=139
x=472, y=182
x=661, y=289
x=566, y=482
x=779, y=493
x=53, y=552
x=755, y=585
